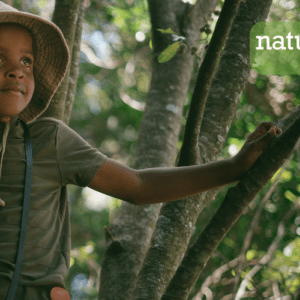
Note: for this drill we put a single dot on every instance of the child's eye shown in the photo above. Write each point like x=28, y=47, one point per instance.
x=27, y=62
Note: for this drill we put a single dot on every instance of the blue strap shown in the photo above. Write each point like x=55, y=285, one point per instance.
x=27, y=191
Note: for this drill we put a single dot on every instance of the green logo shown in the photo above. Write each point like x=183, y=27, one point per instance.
x=275, y=48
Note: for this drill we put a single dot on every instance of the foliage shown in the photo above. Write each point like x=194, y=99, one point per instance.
x=111, y=93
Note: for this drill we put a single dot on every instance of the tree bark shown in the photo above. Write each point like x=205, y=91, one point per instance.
x=168, y=246
x=255, y=221
x=270, y=252
x=65, y=17
x=229, y=82
x=9, y=2
x=189, y=153
x=177, y=219
x=158, y=136
x=74, y=66
x=234, y=204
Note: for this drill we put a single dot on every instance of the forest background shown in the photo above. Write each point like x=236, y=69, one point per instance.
x=115, y=69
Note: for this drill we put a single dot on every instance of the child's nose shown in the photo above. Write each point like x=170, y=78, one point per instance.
x=15, y=73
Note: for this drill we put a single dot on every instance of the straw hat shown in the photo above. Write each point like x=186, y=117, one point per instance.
x=50, y=61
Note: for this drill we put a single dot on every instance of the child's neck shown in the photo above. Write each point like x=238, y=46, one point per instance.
x=12, y=121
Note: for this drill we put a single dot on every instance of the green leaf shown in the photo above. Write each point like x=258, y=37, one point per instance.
x=167, y=31
x=169, y=52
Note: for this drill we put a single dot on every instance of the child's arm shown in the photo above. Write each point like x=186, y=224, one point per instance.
x=167, y=184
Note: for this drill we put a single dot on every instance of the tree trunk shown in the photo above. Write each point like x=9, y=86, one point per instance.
x=165, y=254
x=220, y=109
x=74, y=65
x=65, y=17
x=236, y=201
x=158, y=136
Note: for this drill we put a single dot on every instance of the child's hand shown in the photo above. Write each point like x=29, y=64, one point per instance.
x=2, y=203
x=255, y=145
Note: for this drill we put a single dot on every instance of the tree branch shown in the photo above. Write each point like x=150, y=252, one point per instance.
x=215, y=277
x=234, y=204
x=74, y=65
x=156, y=147
x=65, y=17
x=169, y=223
x=220, y=108
x=253, y=225
x=189, y=153
x=270, y=252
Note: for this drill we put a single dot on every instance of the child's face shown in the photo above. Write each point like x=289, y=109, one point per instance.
x=16, y=69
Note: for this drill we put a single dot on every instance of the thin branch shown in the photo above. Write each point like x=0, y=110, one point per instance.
x=255, y=221
x=270, y=252
x=189, y=153
x=109, y=234
x=236, y=201
x=215, y=277
x=276, y=291
x=74, y=64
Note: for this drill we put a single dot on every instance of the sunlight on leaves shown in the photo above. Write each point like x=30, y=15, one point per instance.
x=285, y=266
x=286, y=175
x=169, y=52
x=166, y=31
x=251, y=254
x=289, y=195
x=229, y=242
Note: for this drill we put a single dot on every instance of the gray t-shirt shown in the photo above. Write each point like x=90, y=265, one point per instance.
x=60, y=157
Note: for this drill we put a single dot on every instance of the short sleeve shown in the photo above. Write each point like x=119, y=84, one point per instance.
x=78, y=161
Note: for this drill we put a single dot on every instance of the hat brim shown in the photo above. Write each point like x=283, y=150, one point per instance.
x=50, y=61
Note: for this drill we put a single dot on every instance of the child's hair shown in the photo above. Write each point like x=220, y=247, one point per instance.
x=51, y=57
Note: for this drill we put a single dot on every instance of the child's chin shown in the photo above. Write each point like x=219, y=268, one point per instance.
x=10, y=114
x=13, y=107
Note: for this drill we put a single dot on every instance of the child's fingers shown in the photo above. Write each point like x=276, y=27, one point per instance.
x=264, y=128
x=270, y=125
x=58, y=293
x=2, y=203
x=263, y=141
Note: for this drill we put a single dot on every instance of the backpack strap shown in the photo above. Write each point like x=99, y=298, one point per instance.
x=26, y=202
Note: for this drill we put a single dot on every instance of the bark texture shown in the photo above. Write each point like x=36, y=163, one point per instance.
x=189, y=150
x=236, y=201
x=157, y=144
x=74, y=66
x=177, y=219
x=65, y=17
x=226, y=89
x=168, y=245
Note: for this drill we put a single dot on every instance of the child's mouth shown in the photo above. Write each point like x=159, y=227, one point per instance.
x=14, y=89
x=17, y=93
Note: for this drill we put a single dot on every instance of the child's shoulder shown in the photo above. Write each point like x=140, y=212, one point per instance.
x=45, y=121
x=47, y=127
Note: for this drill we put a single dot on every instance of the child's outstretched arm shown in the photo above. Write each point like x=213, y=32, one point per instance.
x=167, y=184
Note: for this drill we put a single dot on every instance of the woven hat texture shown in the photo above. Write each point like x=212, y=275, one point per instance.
x=51, y=57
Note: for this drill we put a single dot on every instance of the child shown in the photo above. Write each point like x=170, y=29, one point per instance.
x=33, y=60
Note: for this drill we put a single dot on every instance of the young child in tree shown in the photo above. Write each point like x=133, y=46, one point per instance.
x=33, y=61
